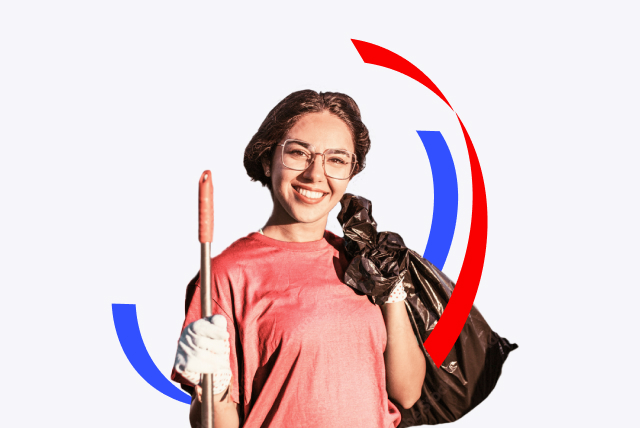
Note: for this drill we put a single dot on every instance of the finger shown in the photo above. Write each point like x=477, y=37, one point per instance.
x=206, y=362
x=203, y=327
x=194, y=378
x=216, y=346
x=219, y=320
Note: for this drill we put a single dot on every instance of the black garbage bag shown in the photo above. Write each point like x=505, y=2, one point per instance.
x=378, y=261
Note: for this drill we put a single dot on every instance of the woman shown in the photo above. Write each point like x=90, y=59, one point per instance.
x=292, y=345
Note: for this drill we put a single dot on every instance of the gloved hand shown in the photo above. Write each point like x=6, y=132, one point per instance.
x=398, y=294
x=204, y=348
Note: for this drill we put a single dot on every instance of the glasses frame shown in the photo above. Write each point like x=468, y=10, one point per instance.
x=355, y=158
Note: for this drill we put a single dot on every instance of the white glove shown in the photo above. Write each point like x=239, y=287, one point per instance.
x=204, y=348
x=398, y=294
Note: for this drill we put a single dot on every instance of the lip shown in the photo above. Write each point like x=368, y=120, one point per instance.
x=309, y=200
x=311, y=189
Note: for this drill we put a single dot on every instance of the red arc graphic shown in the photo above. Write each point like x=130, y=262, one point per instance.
x=445, y=333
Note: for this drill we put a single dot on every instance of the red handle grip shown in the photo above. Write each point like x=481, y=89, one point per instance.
x=205, y=208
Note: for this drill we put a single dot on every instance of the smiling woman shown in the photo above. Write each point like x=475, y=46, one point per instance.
x=291, y=344
x=303, y=199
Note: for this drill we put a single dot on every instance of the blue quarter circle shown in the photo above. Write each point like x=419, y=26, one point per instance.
x=125, y=319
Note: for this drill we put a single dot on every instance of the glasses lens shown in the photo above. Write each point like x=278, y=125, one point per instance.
x=295, y=155
x=338, y=163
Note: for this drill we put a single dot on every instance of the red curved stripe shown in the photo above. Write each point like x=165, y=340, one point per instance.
x=444, y=335
x=377, y=55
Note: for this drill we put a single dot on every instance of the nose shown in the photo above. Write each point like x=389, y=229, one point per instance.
x=315, y=171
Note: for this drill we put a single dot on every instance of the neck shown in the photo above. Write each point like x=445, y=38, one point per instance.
x=294, y=231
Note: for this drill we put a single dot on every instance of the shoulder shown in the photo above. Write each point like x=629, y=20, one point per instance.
x=337, y=243
x=238, y=253
x=334, y=240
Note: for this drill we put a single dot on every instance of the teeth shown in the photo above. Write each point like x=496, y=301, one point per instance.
x=309, y=194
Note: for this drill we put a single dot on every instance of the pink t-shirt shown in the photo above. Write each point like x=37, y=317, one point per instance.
x=306, y=350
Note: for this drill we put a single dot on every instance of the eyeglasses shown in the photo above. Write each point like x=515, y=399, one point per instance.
x=299, y=156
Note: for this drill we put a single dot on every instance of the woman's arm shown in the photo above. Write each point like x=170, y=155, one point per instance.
x=403, y=358
x=204, y=348
x=226, y=413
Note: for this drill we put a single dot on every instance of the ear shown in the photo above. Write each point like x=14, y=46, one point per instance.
x=266, y=165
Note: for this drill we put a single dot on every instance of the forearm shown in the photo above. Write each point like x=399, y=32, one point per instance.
x=404, y=361
x=225, y=411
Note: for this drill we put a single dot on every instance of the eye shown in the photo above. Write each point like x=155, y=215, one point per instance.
x=337, y=161
x=298, y=153
x=295, y=150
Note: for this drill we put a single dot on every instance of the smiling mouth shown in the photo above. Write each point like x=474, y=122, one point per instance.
x=309, y=194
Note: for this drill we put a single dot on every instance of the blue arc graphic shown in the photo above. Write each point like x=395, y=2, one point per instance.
x=125, y=319
x=443, y=225
x=445, y=197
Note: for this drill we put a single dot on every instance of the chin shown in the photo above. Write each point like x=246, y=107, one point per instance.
x=308, y=217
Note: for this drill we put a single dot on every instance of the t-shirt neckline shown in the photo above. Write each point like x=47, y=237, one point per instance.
x=292, y=246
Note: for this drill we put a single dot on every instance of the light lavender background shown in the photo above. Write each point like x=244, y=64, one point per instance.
x=109, y=112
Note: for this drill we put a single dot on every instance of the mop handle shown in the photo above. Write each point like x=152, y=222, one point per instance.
x=205, y=235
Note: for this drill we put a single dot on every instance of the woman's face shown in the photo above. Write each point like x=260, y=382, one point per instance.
x=291, y=197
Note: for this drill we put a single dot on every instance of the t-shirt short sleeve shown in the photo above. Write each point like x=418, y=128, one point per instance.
x=222, y=305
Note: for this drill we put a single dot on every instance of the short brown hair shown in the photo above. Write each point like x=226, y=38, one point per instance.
x=285, y=115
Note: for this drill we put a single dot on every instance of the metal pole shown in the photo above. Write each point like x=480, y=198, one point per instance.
x=205, y=236
x=205, y=302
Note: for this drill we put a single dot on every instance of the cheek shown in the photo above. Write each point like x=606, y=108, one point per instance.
x=278, y=177
x=339, y=188
x=281, y=180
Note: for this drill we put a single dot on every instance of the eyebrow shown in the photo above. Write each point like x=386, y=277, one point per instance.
x=314, y=147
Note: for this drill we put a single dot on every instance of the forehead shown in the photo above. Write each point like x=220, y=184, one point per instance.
x=323, y=130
